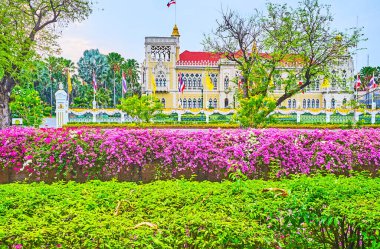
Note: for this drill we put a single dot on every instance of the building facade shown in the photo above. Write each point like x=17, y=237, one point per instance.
x=165, y=64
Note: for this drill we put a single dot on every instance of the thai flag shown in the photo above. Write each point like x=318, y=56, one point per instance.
x=94, y=81
x=372, y=82
x=358, y=82
x=124, y=82
x=170, y=3
x=181, y=85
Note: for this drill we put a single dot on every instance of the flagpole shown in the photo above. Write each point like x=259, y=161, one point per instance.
x=175, y=15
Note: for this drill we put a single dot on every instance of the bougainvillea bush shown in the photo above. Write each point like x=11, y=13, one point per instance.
x=210, y=154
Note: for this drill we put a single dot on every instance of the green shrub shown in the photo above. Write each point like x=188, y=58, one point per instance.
x=320, y=212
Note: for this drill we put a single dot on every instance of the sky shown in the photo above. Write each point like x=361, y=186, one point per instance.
x=122, y=25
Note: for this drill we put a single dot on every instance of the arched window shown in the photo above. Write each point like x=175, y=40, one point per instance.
x=317, y=84
x=200, y=104
x=161, y=79
x=226, y=102
x=184, y=103
x=209, y=103
x=180, y=103
x=215, y=103
x=304, y=104
x=324, y=103
x=194, y=103
x=317, y=103
x=308, y=103
x=214, y=79
x=289, y=103
x=226, y=83
x=313, y=103
x=163, y=101
x=333, y=103
x=344, y=101
x=294, y=104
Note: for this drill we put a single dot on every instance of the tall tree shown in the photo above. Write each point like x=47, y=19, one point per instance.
x=91, y=62
x=28, y=26
x=131, y=68
x=299, y=43
x=115, y=61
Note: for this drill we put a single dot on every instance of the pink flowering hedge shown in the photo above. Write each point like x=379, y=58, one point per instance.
x=42, y=154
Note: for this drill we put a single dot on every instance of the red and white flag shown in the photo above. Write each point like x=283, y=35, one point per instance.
x=94, y=82
x=358, y=82
x=170, y=3
x=124, y=83
x=181, y=84
x=372, y=82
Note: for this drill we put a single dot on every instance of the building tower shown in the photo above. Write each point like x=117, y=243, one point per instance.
x=161, y=55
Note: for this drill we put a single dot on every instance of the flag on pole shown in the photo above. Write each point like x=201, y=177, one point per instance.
x=372, y=82
x=69, y=85
x=325, y=83
x=181, y=84
x=358, y=82
x=209, y=84
x=171, y=2
x=94, y=82
x=154, y=86
x=124, y=82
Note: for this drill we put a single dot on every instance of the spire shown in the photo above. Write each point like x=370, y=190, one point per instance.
x=175, y=32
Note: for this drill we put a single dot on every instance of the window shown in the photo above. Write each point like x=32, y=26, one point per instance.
x=215, y=103
x=313, y=103
x=160, y=53
x=308, y=103
x=209, y=103
x=192, y=81
x=304, y=104
x=226, y=83
x=163, y=101
x=226, y=103
x=289, y=103
x=184, y=103
x=194, y=103
x=344, y=101
x=180, y=103
x=317, y=84
x=294, y=104
x=317, y=103
x=214, y=79
x=161, y=79
x=333, y=103
x=324, y=103
x=200, y=104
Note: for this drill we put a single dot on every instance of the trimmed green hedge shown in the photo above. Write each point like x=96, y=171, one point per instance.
x=320, y=212
x=214, y=125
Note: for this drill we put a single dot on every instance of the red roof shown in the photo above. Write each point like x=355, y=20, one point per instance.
x=187, y=56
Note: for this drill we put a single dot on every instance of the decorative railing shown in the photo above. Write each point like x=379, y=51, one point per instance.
x=198, y=63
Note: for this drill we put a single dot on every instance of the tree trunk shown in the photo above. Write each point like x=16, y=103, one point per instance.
x=6, y=87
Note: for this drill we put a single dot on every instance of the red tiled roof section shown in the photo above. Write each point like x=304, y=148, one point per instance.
x=187, y=56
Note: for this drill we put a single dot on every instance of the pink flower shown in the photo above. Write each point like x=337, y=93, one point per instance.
x=17, y=246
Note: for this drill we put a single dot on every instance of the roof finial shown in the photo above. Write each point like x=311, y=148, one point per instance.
x=175, y=32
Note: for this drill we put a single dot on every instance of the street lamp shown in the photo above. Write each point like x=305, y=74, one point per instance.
x=202, y=96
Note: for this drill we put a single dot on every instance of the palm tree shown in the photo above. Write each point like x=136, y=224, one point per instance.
x=115, y=61
x=131, y=68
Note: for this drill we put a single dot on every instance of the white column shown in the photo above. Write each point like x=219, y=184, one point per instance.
x=93, y=117
x=299, y=117
x=373, y=117
x=328, y=117
x=356, y=116
x=62, y=107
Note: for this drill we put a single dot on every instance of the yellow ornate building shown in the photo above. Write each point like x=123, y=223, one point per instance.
x=165, y=64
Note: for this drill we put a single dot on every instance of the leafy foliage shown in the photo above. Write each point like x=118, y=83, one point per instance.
x=27, y=104
x=142, y=108
x=177, y=214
